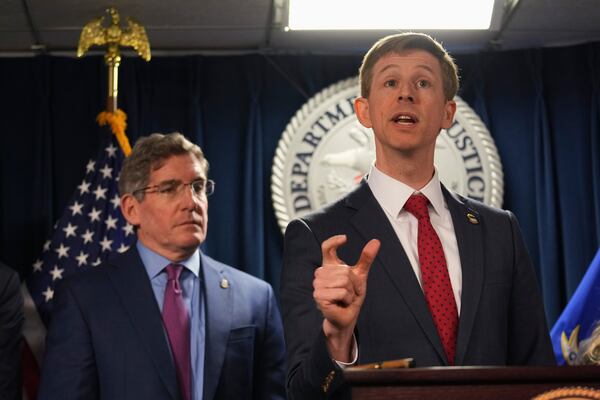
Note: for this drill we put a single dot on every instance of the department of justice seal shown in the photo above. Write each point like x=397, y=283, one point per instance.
x=324, y=152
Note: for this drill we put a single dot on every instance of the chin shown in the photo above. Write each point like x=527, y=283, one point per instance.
x=191, y=240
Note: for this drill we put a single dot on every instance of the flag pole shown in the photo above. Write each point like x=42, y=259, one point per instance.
x=93, y=216
x=113, y=36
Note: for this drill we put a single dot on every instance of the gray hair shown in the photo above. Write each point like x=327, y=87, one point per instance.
x=149, y=154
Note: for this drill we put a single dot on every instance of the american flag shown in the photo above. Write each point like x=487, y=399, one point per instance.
x=90, y=230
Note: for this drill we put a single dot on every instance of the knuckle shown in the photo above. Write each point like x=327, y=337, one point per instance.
x=319, y=272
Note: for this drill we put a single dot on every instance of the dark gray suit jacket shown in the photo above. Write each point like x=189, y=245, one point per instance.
x=106, y=338
x=502, y=318
x=11, y=325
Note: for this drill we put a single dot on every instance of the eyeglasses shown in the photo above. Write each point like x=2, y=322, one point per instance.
x=173, y=189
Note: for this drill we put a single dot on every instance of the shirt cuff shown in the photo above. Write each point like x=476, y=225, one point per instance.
x=344, y=365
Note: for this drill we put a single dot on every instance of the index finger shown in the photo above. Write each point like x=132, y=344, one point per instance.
x=329, y=249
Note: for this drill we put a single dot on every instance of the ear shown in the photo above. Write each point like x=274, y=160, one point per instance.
x=130, y=209
x=449, y=111
x=361, y=108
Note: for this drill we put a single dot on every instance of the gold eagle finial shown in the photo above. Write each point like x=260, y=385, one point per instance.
x=113, y=36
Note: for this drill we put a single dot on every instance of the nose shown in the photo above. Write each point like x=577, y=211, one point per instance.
x=405, y=92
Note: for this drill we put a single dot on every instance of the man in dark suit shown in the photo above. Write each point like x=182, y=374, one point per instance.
x=11, y=325
x=163, y=320
x=401, y=267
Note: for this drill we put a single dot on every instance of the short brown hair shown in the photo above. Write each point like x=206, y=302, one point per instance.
x=149, y=154
x=409, y=41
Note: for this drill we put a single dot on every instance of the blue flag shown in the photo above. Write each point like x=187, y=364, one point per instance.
x=578, y=320
x=90, y=230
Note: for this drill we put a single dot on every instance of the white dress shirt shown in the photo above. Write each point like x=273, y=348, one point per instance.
x=392, y=194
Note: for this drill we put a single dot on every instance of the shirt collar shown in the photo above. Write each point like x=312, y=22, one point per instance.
x=155, y=263
x=393, y=194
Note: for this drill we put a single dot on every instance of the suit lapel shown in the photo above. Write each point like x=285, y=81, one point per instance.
x=219, y=312
x=130, y=280
x=370, y=220
x=470, y=248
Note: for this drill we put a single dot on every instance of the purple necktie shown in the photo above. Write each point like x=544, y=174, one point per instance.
x=435, y=277
x=177, y=323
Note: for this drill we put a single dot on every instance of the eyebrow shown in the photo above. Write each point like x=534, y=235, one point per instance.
x=421, y=66
x=173, y=181
x=168, y=182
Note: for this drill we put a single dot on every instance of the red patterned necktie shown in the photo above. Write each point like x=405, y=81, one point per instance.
x=177, y=323
x=434, y=276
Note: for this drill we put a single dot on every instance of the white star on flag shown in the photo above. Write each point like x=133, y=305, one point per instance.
x=106, y=172
x=56, y=273
x=116, y=201
x=63, y=251
x=111, y=150
x=81, y=259
x=123, y=248
x=111, y=223
x=70, y=230
x=128, y=229
x=84, y=187
x=105, y=243
x=94, y=215
x=87, y=236
x=76, y=208
x=100, y=193
x=37, y=265
x=90, y=167
x=48, y=294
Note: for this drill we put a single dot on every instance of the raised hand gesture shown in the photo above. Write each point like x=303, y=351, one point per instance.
x=339, y=291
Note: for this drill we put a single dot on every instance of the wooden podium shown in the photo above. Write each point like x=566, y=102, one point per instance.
x=466, y=383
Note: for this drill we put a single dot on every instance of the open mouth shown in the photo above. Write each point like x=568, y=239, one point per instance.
x=405, y=119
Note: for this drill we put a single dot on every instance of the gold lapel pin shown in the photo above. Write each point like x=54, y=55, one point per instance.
x=224, y=283
x=472, y=218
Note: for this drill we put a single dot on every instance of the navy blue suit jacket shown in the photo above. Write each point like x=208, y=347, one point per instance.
x=106, y=339
x=502, y=318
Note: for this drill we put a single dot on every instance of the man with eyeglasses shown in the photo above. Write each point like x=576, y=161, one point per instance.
x=163, y=320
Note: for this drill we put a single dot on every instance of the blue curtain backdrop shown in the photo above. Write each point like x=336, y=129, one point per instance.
x=542, y=107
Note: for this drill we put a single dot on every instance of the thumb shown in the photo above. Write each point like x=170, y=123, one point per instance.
x=367, y=256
